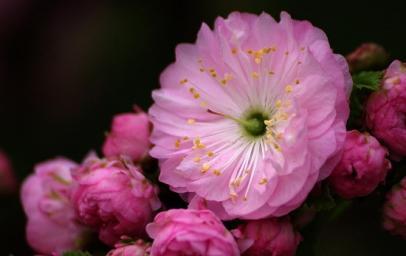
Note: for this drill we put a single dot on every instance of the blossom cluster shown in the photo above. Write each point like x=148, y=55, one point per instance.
x=248, y=124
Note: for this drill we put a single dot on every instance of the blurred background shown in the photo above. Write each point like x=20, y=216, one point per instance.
x=66, y=67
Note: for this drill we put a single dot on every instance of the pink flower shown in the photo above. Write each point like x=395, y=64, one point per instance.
x=190, y=232
x=252, y=115
x=113, y=197
x=273, y=237
x=8, y=182
x=386, y=110
x=394, y=211
x=129, y=136
x=52, y=226
x=362, y=168
x=137, y=248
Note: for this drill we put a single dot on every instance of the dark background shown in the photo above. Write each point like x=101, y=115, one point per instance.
x=66, y=67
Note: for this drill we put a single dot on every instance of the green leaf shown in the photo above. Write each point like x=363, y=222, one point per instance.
x=76, y=253
x=370, y=80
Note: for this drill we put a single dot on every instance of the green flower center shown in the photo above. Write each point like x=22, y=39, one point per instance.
x=254, y=125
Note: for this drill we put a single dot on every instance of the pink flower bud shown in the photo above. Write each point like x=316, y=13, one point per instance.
x=386, y=110
x=137, y=248
x=8, y=182
x=114, y=198
x=129, y=136
x=394, y=210
x=197, y=232
x=362, y=167
x=273, y=237
x=366, y=56
x=52, y=226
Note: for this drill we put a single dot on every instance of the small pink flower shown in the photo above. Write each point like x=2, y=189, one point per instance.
x=137, y=248
x=52, y=226
x=362, y=167
x=394, y=211
x=252, y=115
x=129, y=136
x=386, y=110
x=8, y=182
x=113, y=197
x=272, y=237
x=190, y=232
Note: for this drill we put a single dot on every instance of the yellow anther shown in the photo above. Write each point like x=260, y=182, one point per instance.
x=278, y=103
x=196, y=159
x=297, y=81
x=213, y=72
x=210, y=153
x=267, y=50
x=236, y=182
x=196, y=95
x=263, y=181
x=268, y=122
x=271, y=73
x=192, y=90
x=288, y=88
x=177, y=143
x=234, y=51
x=203, y=104
x=250, y=51
x=183, y=81
x=191, y=121
x=185, y=138
x=233, y=196
x=273, y=49
x=223, y=81
x=197, y=144
x=277, y=147
x=258, y=60
x=216, y=172
x=254, y=75
x=205, y=167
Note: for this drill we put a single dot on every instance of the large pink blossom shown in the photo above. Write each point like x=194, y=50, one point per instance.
x=272, y=237
x=386, y=110
x=52, y=226
x=362, y=167
x=394, y=211
x=114, y=198
x=190, y=232
x=129, y=136
x=252, y=115
x=8, y=181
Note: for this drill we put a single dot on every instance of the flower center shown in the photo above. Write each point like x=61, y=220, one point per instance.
x=254, y=124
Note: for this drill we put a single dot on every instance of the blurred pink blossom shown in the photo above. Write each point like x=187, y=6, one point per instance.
x=129, y=136
x=113, y=197
x=394, y=211
x=386, y=110
x=8, y=181
x=136, y=248
x=272, y=237
x=190, y=232
x=362, y=168
x=52, y=226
